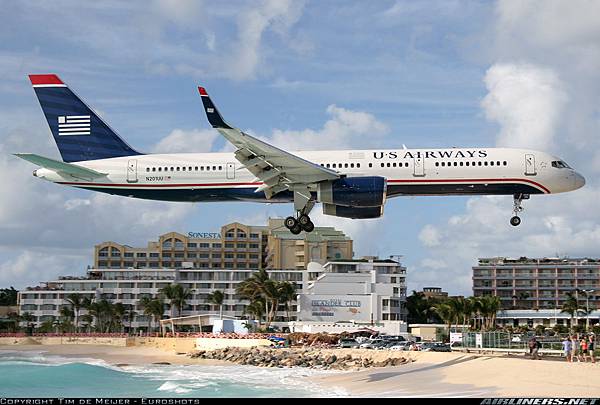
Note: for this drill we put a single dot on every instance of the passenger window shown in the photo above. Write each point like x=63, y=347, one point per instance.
x=478, y=163
x=370, y=164
x=461, y=163
x=498, y=163
x=382, y=164
x=346, y=165
x=196, y=168
x=154, y=169
x=455, y=163
x=147, y=169
x=183, y=168
x=327, y=165
x=436, y=164
x=389, y=164
x=201, y=168
x=492, y=163
x=178, y=168
x=333, y=165
x=160, y=169
x=172, y=168
x=406, y=164
x=214, y=168
x=394, y=164
x=505, y=163
x=352, y=165
x=358, y=165
x=485, y=163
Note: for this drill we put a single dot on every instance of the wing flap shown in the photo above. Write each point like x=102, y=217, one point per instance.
x=61, y=167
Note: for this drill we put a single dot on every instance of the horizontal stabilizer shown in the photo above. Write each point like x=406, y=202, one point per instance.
x=58, y=166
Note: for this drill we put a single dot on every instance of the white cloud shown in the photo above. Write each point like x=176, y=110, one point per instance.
x=345, y=129
x=187, y=141
x=429, y=235
x=526, y=101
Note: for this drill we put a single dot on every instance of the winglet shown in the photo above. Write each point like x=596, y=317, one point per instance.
x=213, y=115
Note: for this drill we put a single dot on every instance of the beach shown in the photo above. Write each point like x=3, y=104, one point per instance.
x=427, y=374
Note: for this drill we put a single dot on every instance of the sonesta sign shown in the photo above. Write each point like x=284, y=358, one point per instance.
x=204, y=235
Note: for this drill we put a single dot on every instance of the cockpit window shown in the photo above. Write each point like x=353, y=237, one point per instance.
x=559, y=164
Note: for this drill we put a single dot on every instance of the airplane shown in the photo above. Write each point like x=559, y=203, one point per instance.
x=348, y=183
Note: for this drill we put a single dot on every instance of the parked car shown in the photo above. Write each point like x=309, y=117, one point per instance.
x=348, y=344
x=434, y=347
x=402, y=346
x=373, y=344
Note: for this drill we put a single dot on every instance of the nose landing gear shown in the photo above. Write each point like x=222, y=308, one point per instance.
x=517, y=208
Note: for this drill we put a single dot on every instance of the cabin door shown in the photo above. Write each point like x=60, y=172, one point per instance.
x=530, y=165
x=132, y=171
x=419, y=167
x=231, y=171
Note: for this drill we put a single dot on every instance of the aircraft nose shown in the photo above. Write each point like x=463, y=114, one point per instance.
x=578, y=180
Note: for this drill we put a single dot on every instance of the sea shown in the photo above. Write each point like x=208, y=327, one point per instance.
x=39, y=374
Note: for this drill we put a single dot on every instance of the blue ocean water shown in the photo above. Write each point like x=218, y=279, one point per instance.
x=36, y=374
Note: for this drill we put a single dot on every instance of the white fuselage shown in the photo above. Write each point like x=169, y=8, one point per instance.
x=197, y=177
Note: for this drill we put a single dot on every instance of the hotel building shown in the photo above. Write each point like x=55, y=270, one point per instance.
x=201, y=262
x=236, y=246
x=531, y=284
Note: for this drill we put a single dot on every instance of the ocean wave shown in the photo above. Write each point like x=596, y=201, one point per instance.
x=42, y=358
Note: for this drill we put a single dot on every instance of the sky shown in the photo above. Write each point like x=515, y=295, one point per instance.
x=307, y=75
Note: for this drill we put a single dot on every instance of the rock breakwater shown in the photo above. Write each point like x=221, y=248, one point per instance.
x=301, y=357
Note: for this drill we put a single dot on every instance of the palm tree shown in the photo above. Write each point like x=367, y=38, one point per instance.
x=154, y=308
x=66, y=314
x=446, y=312
x=29, y=319
x=217, y=298
x=14, y=318
x=119, y=311
x=177, y=296
x=77, y=302
x=287, y=294
x=88, y=320
x=571, y=306
x=259, y=285
x=256, y=309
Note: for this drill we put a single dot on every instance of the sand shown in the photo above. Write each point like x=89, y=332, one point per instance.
x=429, y=375
x=461, y=374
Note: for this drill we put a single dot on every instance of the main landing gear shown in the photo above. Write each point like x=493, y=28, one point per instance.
x=299, y=224
x=303, y=203
x=518, y=198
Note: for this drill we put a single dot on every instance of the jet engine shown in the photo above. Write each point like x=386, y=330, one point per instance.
x=353, y=192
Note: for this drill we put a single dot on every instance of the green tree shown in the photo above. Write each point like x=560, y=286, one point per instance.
x=216, y=298
x=76, y=302
x=154, y=308
x=8, y=297
x=446, y=312
x=571, y=307
x=287, y=294
x=14, y=320
x=177, y=296
x=260, y=288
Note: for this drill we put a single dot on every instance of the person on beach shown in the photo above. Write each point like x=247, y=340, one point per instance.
x=534, y=347
x=591, y=341
x=575, y=349
x=567, y=346
x=583, y=344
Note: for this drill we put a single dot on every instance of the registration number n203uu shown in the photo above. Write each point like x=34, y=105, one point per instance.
x=155, y=178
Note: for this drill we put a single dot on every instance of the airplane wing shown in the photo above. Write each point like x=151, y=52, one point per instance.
x=62, y=167
x=277, y=169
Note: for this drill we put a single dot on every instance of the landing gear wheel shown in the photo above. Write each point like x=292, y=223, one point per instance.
x=290, y=222
x=303, y=219
x=309, y=227
x=296, y=229
x=515, y=221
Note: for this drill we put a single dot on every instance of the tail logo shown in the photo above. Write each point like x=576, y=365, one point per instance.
x=74, y=125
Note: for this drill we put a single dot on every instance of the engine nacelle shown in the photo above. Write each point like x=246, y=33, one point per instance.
x=353, y=191
x=352, y=212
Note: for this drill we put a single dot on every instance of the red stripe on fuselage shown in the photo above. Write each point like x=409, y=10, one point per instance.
x=260, y=183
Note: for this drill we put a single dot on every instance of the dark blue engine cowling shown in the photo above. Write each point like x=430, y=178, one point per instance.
x=354, y=191
x=352, y=212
